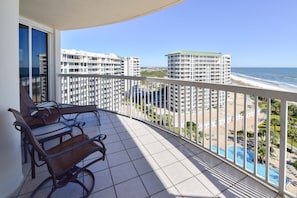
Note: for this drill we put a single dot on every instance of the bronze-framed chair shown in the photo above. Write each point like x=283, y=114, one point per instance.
x=48, y=112
x=62, y=160
x=44, y=134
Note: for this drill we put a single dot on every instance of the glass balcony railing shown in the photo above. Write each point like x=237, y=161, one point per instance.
x=255, y=130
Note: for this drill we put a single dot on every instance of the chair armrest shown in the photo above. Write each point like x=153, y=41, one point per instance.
x=41, y=113
x=98, y=138
x=48, y=104
x=46, y=110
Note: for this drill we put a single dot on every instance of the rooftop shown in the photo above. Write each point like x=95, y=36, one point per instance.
x=143, y=161
x=195, y=53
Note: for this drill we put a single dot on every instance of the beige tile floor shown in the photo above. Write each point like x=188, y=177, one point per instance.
x=146, y=162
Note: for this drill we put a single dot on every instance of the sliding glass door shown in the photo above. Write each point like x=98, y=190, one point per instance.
x=33, y=62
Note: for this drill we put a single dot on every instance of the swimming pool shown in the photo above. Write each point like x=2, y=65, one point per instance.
x=261, y=168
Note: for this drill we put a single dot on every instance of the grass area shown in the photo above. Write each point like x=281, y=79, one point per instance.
x=154, y=73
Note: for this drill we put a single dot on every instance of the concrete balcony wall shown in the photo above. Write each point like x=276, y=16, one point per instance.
x=10, y=144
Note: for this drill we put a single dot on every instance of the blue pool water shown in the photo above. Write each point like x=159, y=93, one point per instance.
x=261, y=169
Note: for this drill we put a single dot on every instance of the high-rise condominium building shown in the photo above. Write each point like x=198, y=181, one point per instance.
x=81, y=62
x=209, y=67
x=130, y=67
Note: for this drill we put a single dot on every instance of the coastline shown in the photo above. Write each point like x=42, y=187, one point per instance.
x=238, y=80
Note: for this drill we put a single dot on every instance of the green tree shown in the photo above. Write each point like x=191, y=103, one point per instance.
x=292, y=110
x=275, y=104
x=273, y=138
x=275, y=122
x=189, y=128
x=292, y=134
x=261, y=133
x=261, y=152
x=273, y=134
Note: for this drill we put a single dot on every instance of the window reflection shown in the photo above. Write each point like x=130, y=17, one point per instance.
x=34, y=76
x=39, y=66
x=24, y=55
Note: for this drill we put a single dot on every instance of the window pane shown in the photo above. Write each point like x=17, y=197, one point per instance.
x=39, y=66
x=24, y=55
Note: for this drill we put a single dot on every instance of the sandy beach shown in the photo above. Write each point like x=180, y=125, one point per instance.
x=237, y=80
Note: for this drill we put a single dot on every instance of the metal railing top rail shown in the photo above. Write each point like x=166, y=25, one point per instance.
x=279, y=94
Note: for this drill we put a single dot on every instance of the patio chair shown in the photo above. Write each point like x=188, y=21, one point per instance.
x=44, y=134
x=51, y=111
x=62, y=160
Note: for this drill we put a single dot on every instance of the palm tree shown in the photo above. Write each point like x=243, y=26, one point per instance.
x=292, y=110
x=189, y=124
x=292, y=134
x=261, y=133
x=276, y=106
x=261, y=152
x=273, y=138
x=273, y=135
x=275, y=122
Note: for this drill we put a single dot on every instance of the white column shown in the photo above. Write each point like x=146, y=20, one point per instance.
x=56, y=88
x=10, y=143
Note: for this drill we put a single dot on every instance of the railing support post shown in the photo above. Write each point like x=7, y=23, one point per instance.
x=283, y=146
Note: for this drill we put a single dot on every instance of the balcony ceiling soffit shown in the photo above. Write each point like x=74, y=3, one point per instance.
x=76, y=14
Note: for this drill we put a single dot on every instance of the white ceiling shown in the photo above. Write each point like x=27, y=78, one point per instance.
x=76, y=14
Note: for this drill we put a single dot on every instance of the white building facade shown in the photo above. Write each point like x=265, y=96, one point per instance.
x=81, y=62
x=130, y=67
x=209, y=67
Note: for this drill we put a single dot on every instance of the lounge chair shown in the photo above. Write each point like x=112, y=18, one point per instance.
x=62, y=160
x=51, y=111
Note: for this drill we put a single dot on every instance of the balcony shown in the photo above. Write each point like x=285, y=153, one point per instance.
x=144, y=161
x=162, y=147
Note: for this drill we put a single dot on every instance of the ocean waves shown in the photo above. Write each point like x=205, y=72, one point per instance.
x=284, y=79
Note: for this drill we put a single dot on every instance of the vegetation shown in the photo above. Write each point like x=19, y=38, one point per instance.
x=154, y=73
x=295, y=164
x=275, y=127
x=194, y=135
x=292, y=134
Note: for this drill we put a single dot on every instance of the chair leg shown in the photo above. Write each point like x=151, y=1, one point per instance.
x=97, y=114
x=33, y=172
x=88, y=191
x=40, y=185
x=25, y=151
x=80, y=126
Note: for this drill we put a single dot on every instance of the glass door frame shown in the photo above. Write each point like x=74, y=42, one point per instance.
x=50, y=51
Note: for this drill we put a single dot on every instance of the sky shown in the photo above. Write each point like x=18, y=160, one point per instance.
x=256, y=33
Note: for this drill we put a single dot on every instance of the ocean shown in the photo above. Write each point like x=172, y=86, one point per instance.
x=285, y=78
